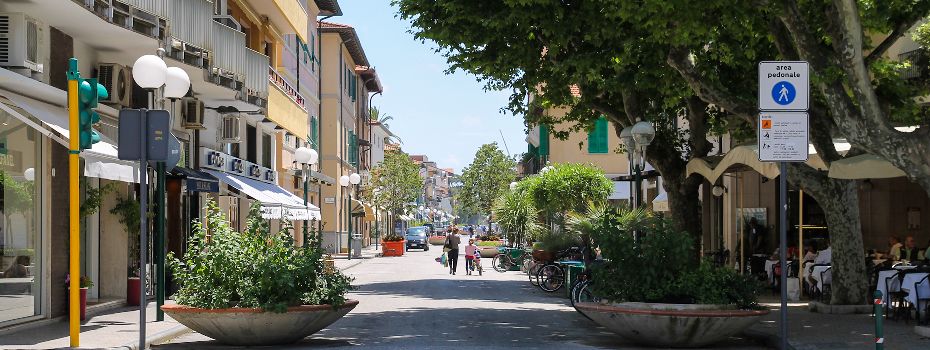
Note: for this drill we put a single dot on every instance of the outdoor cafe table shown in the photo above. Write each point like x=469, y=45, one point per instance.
x=909, y=283
x=815, y=274
x=770, y=268
x=894, y=284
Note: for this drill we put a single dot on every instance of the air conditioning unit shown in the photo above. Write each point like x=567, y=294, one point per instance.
x=20, y=37
x=192, y=113
x=229, y=128
x=118, y=81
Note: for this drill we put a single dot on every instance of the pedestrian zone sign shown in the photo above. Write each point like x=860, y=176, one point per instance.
x=783, y=136
x=783, y=86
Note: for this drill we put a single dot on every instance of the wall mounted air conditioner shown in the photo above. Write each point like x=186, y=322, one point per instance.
x=229, y=128
x=118, y=81
x=20, y=38
x=192, y=113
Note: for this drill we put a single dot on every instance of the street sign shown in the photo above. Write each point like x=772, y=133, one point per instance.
x=783, y=136
x=784, y=86
x=130, y=143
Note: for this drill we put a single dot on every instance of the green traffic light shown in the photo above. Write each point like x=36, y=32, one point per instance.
x=85, y=92
x=102, y=92
x=89, y=92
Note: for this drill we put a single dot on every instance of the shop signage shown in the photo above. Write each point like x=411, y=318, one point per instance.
x=198, y=185
x=217, y=160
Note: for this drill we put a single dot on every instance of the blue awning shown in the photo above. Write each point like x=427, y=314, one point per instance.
x=198, y=181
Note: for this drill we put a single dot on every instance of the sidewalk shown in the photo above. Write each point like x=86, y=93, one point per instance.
x=343, y=262
x=811, y=331
x=113, y=329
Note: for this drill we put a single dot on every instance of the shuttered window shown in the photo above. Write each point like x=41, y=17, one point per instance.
x=544, y=140
x=597, y=137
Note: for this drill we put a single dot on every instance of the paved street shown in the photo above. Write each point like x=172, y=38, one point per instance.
x=412, y=302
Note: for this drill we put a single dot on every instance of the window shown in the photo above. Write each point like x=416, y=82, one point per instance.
x=266, y=150
x=544, y=140
x=314, y=133
x=250, y=144
x=597, y=137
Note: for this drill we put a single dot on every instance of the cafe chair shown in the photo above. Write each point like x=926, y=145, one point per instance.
x=922, y=299
x=827, y=287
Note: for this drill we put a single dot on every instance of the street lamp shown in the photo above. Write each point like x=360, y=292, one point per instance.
x=345, y=181
x=635, y=139
x=151, y=73
x=307, y=157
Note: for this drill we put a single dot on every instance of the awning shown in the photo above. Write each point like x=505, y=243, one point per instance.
x=865, y=166
x=276, y=202
x=100, y=161
x=748, y=155
x=198, y=181
x=532, y=136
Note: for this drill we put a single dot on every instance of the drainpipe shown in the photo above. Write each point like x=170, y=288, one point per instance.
x=319, y=124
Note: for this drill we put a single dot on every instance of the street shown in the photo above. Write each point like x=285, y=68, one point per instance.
x=413, y=302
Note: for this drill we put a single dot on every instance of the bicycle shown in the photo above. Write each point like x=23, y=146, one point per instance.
x=506, y=259
x=551, y=276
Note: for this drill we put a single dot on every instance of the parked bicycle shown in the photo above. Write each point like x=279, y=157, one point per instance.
x=551, y=275
x=507, y=258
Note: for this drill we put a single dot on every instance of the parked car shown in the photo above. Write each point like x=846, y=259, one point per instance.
x=417, y=238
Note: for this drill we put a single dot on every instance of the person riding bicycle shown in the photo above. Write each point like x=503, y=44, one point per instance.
x=470, y=251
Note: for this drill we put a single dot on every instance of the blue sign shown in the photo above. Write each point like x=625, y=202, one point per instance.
x=783, y=93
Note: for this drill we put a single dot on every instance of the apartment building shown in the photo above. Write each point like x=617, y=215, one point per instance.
x=255, y=71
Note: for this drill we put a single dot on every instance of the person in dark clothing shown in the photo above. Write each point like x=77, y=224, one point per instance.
x=452, y=243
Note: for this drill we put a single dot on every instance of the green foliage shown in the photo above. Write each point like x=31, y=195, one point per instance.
x=659, y=266
x=395, y=181
x=94, y=198
x=488, y=244
x=392, y=237
x=554, y=241
x=17, y=195
x=128, y=209
x=570, y=187
x=516, y=214
x=489, y=238
x=486, y=179
x=255, y=268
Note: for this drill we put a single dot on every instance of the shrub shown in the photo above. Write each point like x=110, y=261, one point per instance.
x=489, y=238
x=255, y=268
x=488, y=244
x=392, y=237
x=659, y=266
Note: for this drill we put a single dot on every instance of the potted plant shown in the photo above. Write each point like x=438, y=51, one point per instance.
x=653, y=288
x=488, y=249
x=392, y=245
x=128, y=210
x=255, y=287
x=84, y=283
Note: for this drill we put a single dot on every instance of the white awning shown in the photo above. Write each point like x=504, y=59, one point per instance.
x=865, y=166
x=532, y=137
x=100, y=161
x=660, y=203
x=276, y=201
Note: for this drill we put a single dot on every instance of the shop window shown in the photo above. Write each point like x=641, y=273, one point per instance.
x=251, y=144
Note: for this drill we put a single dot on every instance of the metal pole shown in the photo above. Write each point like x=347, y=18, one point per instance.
x=74, y=232
x=306, y=223
x=350, y=225
x=783, y=250
x=801, y=238
x=879, y=332
x=160, y=240
x=143, y=227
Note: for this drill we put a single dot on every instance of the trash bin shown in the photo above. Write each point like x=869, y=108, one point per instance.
x=572, y=270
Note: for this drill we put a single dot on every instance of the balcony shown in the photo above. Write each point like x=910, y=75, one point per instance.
x=289, y=16
x=228, y=68
x=190, y=31
x=919, y=60
x=285, y=106
x=298, y=67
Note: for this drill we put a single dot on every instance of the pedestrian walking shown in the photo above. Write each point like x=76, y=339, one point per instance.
x=470, y=251
x=452, y=243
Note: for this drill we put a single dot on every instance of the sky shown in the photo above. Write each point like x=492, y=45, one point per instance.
x=446, y=117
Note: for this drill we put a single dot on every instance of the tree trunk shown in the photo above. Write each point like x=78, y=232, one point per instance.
x=840, y=202
x=684, y=205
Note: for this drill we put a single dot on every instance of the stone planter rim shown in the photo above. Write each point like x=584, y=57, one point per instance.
x=596, y=307
x=255, y=310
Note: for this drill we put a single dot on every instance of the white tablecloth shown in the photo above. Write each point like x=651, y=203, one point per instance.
x=894, y=284
x=910, y=284
x=815, y=274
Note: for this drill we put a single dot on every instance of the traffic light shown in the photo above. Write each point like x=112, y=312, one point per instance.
x=89, y=92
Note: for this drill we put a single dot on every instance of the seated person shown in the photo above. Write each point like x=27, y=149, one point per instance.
x=895, y=251
x=910, y=252
x=824, y=257
x=810, y=254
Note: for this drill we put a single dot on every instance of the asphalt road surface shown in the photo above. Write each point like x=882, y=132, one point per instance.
x=412, y=302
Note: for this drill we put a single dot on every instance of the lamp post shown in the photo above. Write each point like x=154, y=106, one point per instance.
x=151, y=73
x=635, y=139
x=345, y=181
x=307, y=157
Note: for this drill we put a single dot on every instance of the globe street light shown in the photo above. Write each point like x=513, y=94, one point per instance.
x=635, y=139
x=345, y=181
x=306, y=157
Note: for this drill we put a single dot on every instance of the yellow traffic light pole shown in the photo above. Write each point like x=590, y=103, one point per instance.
x=74, y=271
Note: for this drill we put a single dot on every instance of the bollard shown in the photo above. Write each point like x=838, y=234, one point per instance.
x=879, y=338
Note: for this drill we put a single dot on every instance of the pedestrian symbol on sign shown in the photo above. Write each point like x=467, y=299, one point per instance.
x=783, y=93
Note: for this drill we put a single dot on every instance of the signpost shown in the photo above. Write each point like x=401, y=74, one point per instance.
x=784, y=97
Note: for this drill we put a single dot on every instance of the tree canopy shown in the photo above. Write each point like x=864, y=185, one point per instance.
x=395, y=181
x=486, y=178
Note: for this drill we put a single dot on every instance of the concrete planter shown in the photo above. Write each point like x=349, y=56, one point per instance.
x=671, y=325
x=488, y=252
x=253, y=326
x=437, y=240
x=393, y=248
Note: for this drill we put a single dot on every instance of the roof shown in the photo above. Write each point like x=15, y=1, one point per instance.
x=372, y=83
x=329, y=7
x=349, y=38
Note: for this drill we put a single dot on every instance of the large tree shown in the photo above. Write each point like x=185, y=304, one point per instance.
x=485, y=179
x=395, y=182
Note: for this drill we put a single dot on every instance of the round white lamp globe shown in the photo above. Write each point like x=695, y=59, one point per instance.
x=306, y=155
x=30, y=174
x=150, y=72
x=343, y=181
x=177, y=83
x=355, y=179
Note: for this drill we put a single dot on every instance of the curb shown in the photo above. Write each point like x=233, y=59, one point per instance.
x=352, y=265
x=767, y=339
x=155, y=339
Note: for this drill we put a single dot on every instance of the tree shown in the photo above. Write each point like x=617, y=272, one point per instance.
x=395, y=182
x=486, y=179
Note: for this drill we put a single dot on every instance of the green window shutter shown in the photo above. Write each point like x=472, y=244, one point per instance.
x=314, y=132
x=597, y=138
x=544, y=140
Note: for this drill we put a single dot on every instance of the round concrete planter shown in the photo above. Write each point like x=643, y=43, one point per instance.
x=437, y=240
x=488, y=252
x=253, y=326
x=671, y=325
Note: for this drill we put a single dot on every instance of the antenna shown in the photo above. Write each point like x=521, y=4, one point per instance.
x=505, y=142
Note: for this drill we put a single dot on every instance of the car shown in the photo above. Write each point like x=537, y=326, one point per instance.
x=417, y=238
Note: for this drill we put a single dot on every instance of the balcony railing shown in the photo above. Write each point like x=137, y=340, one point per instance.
x=228, y=51
x=281, y=83
x=145, y=17
x=191, y=31
x=918, y=59
x=256, y=85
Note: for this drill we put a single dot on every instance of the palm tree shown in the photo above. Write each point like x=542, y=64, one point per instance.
x=375, y=114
